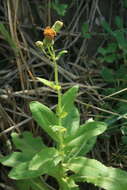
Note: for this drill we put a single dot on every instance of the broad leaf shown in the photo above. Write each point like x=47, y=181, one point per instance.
x=88, y=146
x=26, y=143
x=44, y=117
x=44, y=156
x=71, y=122
x=72, y=118
x=68, y=98
x=22, y=171
x=74, y=144
x=92, y=171
x=14, y=159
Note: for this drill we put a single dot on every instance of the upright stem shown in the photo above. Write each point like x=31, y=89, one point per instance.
x=59, y=110
x=58, y=91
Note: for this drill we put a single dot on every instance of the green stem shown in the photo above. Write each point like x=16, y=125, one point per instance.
x=59, y=110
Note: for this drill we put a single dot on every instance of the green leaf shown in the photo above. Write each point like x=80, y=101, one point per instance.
x=7, y=36
x=14, y=159
x=85, y=31
x=125, y=3
x=102, y=51
x=71, y=122
x=45, y=118
x=107, y=75
x=111, y=48
x=72, y=117
x=107, y=27
x=49, y=83
x=110, y=58
x=92, y=171
x=22, y=171
x=59, y=7
x=23, y=184
x=119, y=36
x=88, y=146
x=37, y=184
x=74, y=144
x=26, y=143
x=68, y=98
x=60, y=54
x=68, y=184
x=44, y=156
x=119, y=22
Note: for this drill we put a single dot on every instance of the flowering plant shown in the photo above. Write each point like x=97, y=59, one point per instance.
x=66, y=160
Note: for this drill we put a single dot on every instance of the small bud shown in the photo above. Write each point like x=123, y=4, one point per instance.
x=39, y=44
x=57, y=26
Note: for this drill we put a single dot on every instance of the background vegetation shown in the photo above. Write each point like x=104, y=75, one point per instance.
x=95, y=36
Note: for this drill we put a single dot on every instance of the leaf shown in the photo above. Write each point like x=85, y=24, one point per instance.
x=60, y=54
x=45, y=118
x=93, y=171
x=49, y=83
x=119, y=22
x=14, y=159
x=59, y=7
x=71, y=122
x=107, y=27
x=119, y=36
x=74, y=144
x=107, y=74
x=44, y=156
x=111, y=58
x=88, y=146
x=23, y=184
x=68, y=98
x=7, y=36
x=37, y=184
x=85, y=30
x=72, y=118
x=111, y=48
x=102, y=51
x=125, y=3
x=26, y=143
x=68, y=184
x=22, y=171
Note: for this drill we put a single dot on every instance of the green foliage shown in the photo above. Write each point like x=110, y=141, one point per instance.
x=59, y=7
x=107, y=75
x=44, y=117
x=125, y=3
x=117, y=49
x=76, y=143
x=7, y=36
x=92, y=171
x=85, y=31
